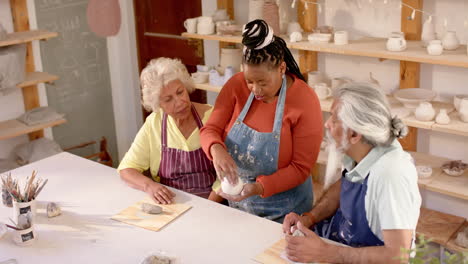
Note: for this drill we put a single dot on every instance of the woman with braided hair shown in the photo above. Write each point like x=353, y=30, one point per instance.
x=266, y=128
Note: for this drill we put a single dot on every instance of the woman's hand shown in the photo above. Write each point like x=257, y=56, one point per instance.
x=159, y=193
x=223, y=163
x=250, y=189
x=292, y=219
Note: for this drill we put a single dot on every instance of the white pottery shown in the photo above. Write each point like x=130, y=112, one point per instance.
x=315, y=77
x=231, y=57
x=322, y=91
x=295, y=37
x=200, y=77
x=428, y=32
x=396, y=43
x=230, y=189
x=424, y=112
x=220, y=15
x=205, y=25
x=463, y=110
x=450, y=41
x=339, y=81
x=435, y=47
x=23, y=208
x=341, y=37
x=294, y=27
x=411, y=97
x=24, y=237
x=397, y=34
x=442, y=118
x=190, y=25
x=424, y=171
x=457, y=99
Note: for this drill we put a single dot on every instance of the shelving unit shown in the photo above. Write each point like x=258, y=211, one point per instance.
x=13, y=128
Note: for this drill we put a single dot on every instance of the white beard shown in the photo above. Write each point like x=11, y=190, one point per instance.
x=334, y=161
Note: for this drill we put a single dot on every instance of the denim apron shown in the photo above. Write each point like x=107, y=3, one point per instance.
x=256, y=153
x=349, y=225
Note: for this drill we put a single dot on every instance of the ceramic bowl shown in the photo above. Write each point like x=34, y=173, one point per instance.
x=320, y=37
x=200, y=77
x=424, y=171
x=412, y=97
x=456, y=100
x=454, y=173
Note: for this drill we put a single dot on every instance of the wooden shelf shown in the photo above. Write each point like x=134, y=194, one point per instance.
x=13, y=128
x=366, y=47
x=33, y=78
x=451, y=245
x=26, y=36
x=208, y=87
x=438, y=226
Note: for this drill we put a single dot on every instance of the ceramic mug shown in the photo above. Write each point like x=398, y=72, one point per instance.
x=457, y=99
x=341, y=37
x=190, y=25
x=396, y=43
x=315, y=77
x=435, y=47
x=294, y=27
x=322, y=91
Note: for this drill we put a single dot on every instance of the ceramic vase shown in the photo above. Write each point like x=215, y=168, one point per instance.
x=425, y=112
x=442, y=118
x=450, y=41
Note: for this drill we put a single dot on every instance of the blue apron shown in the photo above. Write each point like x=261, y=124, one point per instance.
x=256, y=153
x=349, y=225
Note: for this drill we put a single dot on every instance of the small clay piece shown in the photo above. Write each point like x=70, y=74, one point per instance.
x=462, y=238
x=157, y=260
x=298, y=232
x=151, y=209
x=454, y=168
x=424, y=171
x=53, y=210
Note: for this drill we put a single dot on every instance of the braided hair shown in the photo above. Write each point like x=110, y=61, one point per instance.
x=260, y=46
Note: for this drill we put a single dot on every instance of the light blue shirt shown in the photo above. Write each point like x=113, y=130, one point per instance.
x=392, y=200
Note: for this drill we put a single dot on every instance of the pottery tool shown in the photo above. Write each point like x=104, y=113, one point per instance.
x=134, y=215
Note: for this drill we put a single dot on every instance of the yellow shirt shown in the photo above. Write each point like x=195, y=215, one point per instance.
x=145, y=151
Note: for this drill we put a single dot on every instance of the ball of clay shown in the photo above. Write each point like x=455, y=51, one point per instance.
x=156, y=260
x=298, y=232
x=151, y=208
x=53, y=210
x=462, y=238
x=230, y=189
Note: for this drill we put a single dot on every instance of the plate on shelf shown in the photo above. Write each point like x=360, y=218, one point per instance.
x=412, y=97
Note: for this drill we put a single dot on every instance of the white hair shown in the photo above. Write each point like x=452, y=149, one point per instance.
x=157, y=74
x=364, y=109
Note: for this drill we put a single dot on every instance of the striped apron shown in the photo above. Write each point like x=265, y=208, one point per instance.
x=189, y=171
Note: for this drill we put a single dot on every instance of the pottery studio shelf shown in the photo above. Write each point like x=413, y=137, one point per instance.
x=33, y=78
x=366, y=47
x=451, y=243
x=26, y=36
x=13, y=128
x=456, y=126
x=440, y=227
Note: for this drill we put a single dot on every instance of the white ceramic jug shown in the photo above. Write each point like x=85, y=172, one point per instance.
x=435, y=47
x=450, y=41
x=428, y=32
x=396, y=43
x=425, y=112
x=322, y=91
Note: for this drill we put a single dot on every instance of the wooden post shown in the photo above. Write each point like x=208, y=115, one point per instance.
x=229, y=6
x=19, y=12
x=409, y=71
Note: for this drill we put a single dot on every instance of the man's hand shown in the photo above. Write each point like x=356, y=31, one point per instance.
x=309, y=248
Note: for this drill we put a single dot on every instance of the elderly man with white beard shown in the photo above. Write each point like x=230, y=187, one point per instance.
x=374, y=206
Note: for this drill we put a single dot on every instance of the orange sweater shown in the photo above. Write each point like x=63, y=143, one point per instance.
x=301, y=133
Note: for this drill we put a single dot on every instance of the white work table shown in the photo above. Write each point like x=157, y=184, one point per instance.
x=90, y=193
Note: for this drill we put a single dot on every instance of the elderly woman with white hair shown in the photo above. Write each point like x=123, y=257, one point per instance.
x=169, y=141
x=374, y=207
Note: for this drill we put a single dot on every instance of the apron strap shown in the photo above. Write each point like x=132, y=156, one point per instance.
x=164, y=125
x=197, y=117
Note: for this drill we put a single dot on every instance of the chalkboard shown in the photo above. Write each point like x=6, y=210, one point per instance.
x=83, y=91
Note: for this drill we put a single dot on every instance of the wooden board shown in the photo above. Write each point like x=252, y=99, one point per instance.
x=450, y=185
x=26, y=36
x=13, y=128
x=134, y=216
x=231, y=39
x=451, y=243
x=33, y=78
x=272, y=254
x=438, y=226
